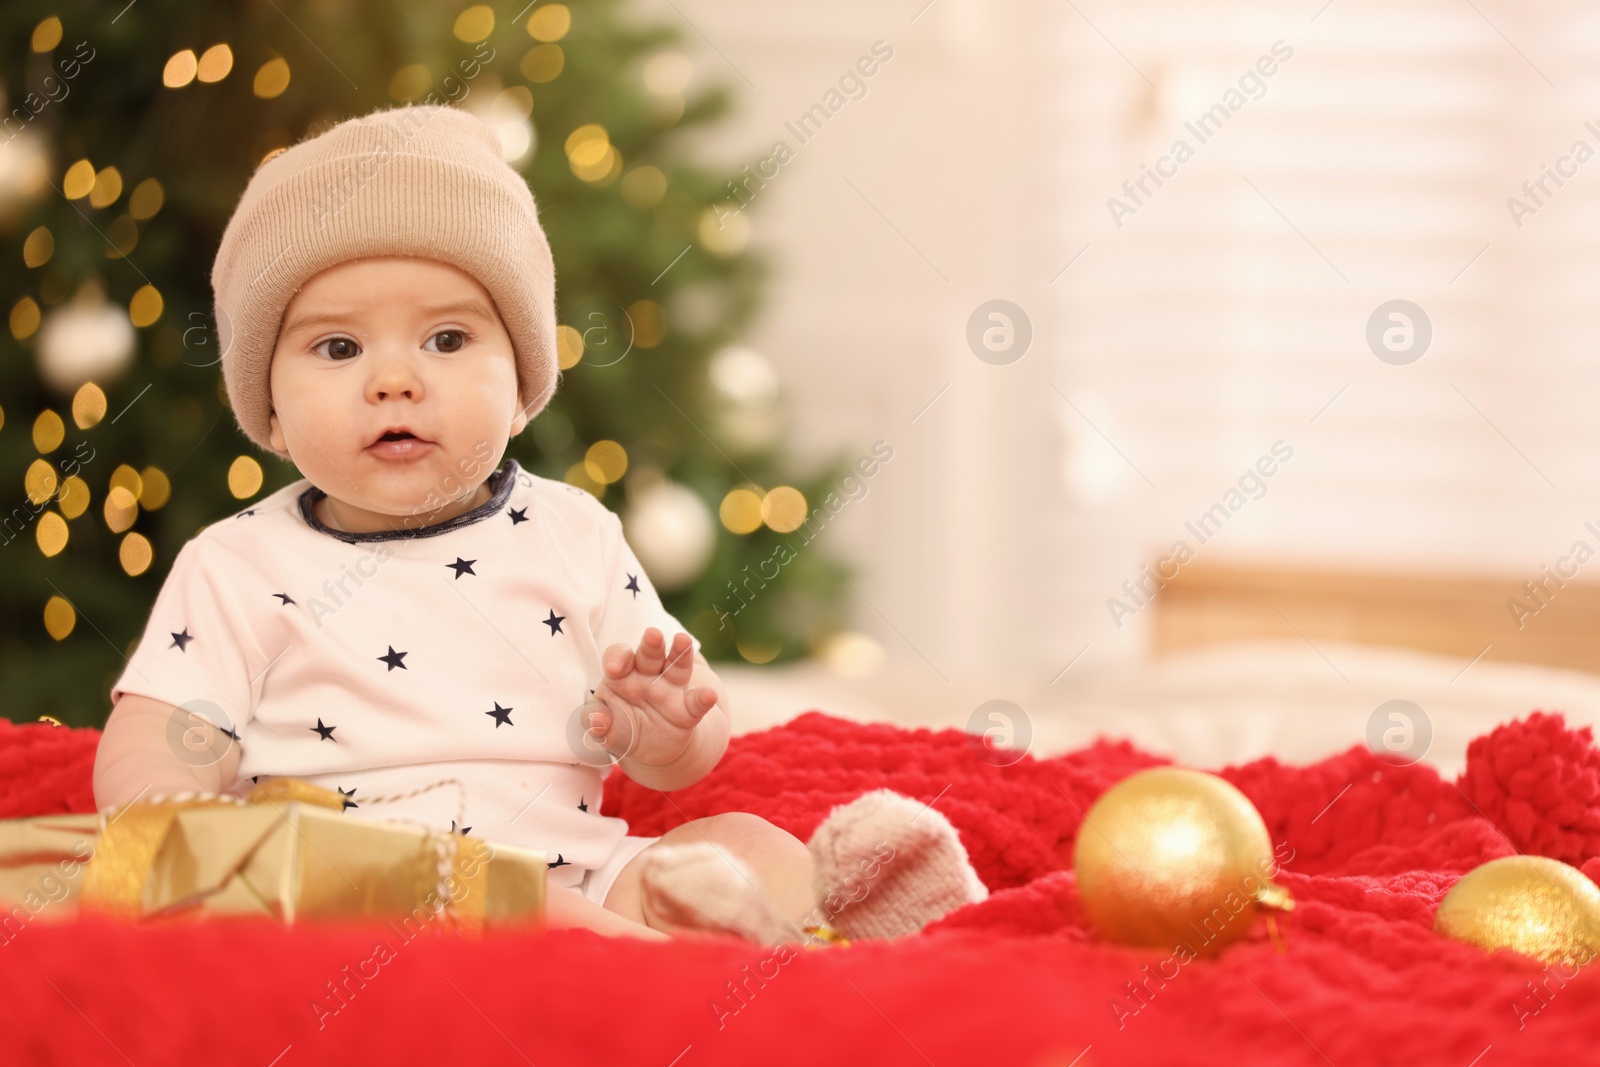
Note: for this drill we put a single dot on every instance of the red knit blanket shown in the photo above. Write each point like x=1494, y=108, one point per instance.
x=1017, y=979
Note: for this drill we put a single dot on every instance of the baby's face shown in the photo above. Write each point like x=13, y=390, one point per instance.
x=391, y=342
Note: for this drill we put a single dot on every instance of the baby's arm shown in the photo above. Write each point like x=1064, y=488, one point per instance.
x=135, y=755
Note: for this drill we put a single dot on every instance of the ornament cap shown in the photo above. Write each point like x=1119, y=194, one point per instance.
x=824, y=936
x=1275, y=896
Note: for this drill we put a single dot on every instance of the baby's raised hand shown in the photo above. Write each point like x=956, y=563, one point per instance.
x=643, y=708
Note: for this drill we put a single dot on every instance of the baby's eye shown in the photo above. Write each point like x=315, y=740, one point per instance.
x=348, y=349
x=455, y=341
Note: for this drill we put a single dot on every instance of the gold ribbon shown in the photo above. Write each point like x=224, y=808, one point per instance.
x=131, y=837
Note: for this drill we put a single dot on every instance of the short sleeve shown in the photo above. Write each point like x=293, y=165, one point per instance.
x=195, y=653
x=630, y=601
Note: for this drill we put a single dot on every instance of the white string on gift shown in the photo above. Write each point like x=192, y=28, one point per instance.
x=443, y=850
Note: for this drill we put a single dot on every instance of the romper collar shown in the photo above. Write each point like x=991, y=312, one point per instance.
x=501, y=482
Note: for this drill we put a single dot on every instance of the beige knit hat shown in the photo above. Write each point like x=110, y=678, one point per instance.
x=425, y=181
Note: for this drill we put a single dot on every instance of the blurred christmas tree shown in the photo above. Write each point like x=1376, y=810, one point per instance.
x=129, y=133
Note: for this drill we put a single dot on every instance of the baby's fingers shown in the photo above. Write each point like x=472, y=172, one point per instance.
x=597, y=721
x=617, y=660
x=652, y=653
x=680, y=661
x=700, y=700
x=608, y=729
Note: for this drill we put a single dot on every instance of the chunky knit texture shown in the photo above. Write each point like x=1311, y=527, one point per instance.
x=415, y=180
x=1018, y=978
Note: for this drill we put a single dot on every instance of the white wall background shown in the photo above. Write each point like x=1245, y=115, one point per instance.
x=1224, y=315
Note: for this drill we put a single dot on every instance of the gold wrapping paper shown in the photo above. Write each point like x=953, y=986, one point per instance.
x=42, y=861
x=287, y=852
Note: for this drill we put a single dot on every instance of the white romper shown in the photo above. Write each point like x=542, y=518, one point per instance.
x=378, y=663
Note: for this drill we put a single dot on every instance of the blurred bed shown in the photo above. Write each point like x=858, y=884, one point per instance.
x=1253, y=662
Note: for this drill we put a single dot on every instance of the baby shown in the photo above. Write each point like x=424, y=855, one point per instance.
x=440, y=635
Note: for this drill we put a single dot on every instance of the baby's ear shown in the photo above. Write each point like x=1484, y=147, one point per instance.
x=520, y=422
x=275, y=435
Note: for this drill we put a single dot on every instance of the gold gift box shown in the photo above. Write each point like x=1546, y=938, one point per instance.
x=286, y=852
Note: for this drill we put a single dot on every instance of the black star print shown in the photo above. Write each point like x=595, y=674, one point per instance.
x=558, y=863
x=581, y=805
x=633, y=583
x=554, y=622
x=285, y=597
x=182, y=640
x=393, y=659
x=325, y=732
x=518, y=515
x=463, y=830
x=462, y=566
x=501, y=715
x=348, y=803
x=246, y=511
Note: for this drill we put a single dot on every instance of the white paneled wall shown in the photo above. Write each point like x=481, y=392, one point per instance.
x=916, y=203
x=1223, y=314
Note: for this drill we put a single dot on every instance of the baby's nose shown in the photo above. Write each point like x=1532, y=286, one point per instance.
x=394, y=376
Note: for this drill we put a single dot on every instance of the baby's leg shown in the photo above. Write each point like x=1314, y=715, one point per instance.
x=778, y=859
x=566, y=909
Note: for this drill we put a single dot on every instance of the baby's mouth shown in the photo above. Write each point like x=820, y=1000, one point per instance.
x=398, y=444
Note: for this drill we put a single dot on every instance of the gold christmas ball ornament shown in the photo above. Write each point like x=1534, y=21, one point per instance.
x=1176, y=859
x=1534, y=905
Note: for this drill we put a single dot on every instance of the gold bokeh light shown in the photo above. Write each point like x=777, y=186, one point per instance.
x=48, y=431
x=784, y=509
x=215, y=63
x=135, y=554
x=606, y=461
x=51, y=533
x=59, y=617
x=180, y=69
x=244, y=477
x=39, y=482
x=741, y=510
x=88, y=405
x=121, y=509
x=74, y=497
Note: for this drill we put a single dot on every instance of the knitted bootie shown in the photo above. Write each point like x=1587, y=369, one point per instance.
x=699, y=887
x=887, y=865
